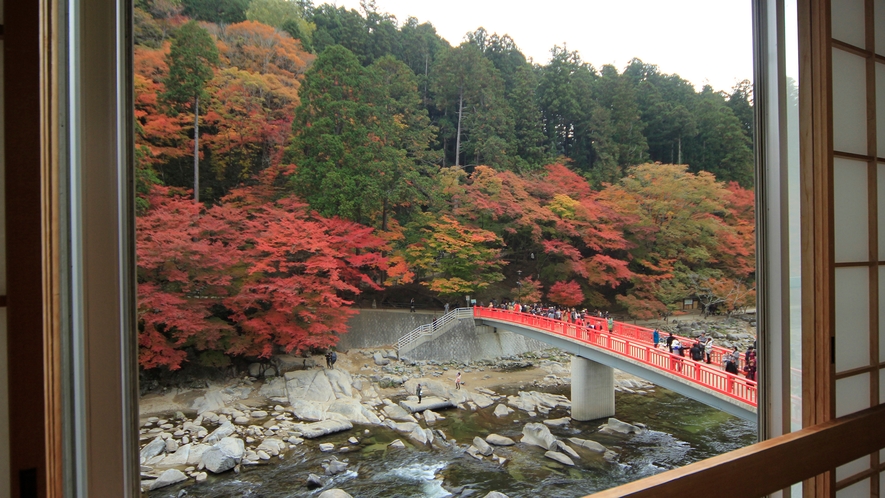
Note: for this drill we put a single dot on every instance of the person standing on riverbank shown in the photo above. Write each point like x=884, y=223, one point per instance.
x=412, y=305
x=418, y=392
x=458, y=381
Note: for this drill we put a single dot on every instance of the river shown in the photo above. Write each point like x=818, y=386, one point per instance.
x=680, y=431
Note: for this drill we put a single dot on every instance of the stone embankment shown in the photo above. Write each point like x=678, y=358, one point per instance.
x=254, y=422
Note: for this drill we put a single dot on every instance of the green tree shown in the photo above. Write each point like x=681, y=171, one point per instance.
x=217, y=11
x=721, y=146
x=360, y=139
x=286, y=15
x=468, y=87
x=191, y=61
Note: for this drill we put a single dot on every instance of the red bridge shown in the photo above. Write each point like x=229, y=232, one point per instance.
x=631, y=348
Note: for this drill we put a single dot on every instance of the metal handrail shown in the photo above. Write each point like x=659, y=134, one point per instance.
x=430, y=330
x=637, y=349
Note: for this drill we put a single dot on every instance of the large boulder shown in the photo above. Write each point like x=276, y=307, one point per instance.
x=503, y=410
x=272, y=446
x=224, y=455
x=317, y=429
x=498, y=440
x=195, y=455
x=532, y=401
x=168, y=478
x=335, y=467
x=564, y=448
x=615, y=426
x=481, y=400
x=354, y=412
x=427, y=403
x=324, y=385
x=274, y=388
x=380, y=359
x=538, y=435
x=560, y=457
x=224, y=430
x=557, y=422
x=334, y=493
x=398, y=413
x=211, y=401
x=495, y=494
x=483, y=447
x=421, y=435
x=177, y=459
x=308, y=410
x=587, y=445
x=152, y=449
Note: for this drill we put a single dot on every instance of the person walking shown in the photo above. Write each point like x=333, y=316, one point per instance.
x=670, y=340
x=731, y=362
x=412, y=305
x=328, y=359
x=458, y=381
x=750, y=369
x=656, y=337
x=709, y=348
x=418, y=392
x=447, y=307
x=333, y=357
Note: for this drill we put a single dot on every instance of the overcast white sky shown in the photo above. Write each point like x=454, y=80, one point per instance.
x=704, y=41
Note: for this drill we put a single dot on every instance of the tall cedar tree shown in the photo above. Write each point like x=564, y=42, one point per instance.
x=191, y=60
x=360, y=140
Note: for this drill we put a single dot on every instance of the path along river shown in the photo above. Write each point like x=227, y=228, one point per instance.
x=680, y=431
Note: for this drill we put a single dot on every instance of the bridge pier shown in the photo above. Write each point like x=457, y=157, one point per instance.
x=593, y=389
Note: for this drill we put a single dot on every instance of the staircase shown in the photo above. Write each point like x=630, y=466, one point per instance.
x=431, y=331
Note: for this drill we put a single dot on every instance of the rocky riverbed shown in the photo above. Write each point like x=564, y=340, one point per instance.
x=288, y=409
x=253, y=421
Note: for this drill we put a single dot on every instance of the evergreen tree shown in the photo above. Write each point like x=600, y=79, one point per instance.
x=217, y=11
x=191, y=61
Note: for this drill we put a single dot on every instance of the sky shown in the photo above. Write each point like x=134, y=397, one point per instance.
x=704, y=41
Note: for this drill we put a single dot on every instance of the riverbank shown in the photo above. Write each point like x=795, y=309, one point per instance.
x=294, y=408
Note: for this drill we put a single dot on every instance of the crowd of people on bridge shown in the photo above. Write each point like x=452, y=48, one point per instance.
x=699, y=349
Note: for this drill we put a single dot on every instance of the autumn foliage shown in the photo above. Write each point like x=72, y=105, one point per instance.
x=250, y=276
x=325, y=176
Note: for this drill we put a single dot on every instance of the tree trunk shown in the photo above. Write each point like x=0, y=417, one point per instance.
x=197, y=149
x=680, y=151
x=458, y=136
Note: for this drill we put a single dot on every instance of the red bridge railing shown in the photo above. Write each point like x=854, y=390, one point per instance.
x=635, y=342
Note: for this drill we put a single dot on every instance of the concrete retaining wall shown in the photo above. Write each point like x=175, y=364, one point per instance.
x=464, y=343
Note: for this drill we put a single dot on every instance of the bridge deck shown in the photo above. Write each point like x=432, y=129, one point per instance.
x=634, y=344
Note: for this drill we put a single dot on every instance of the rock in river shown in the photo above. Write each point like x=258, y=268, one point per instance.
x=482, y=446
x=497, y=440
x=560, y=457
x=224, y=455
x=615, y=426
x=318, y=429
x=168, y=478
x=538, y=435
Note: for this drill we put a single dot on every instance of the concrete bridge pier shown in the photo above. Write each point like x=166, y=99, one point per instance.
x=593, y=389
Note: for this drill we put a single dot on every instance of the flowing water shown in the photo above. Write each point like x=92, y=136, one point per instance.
x=680, y=431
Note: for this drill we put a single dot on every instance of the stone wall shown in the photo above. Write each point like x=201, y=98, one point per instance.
x=465, y=342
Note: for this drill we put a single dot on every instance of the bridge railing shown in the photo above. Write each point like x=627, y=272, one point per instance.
x=631, y=342
x=644, y=334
